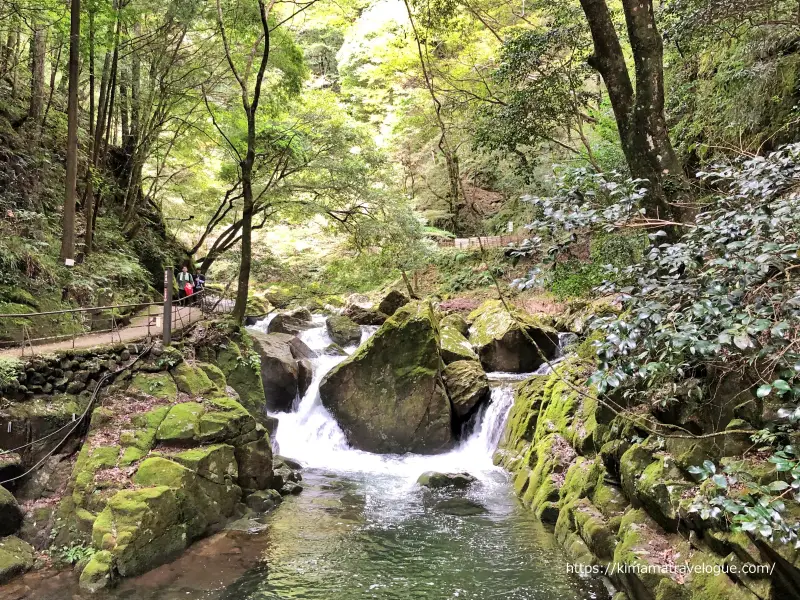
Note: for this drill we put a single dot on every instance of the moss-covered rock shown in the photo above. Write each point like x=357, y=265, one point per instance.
x=141, y=528
x=158, y=385
x=455, y=321
x=343, y=330
x=254, y=461
x=192, y=380
x=387, y=396
x=215, y=374
x=467, y=386
x=181, y=422
x=217, y=462
x=510, y=341
x=97, y=574
x=16, y=557
x=454, y=346
x=242, y=377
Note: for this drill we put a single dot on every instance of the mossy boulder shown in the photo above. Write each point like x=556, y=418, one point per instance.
x=215, y=374
x=234, y=360
x=343, y=330
x=97, y=574
x=467, y=386
x=16, y=557
x=217, y=462
x=181, y=422
x=141, y=528
x=387, y=396
x=10, y=513
x=455, y=321
x=192, y=380
x=454, y=346
x=158, y=385
x=510, y=341
x=434, y=480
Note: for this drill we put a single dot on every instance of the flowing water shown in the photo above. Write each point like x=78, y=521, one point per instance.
x=362, y=528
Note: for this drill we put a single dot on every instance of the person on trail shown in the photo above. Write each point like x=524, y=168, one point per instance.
x=199, y=286
x=185, y=283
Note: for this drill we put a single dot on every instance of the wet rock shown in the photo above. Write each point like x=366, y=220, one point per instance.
x=334, y=350
x=10, y=513
x=305, y=374
x=513, y=342
x=292, y=322
x=280, y=371
x=342, y=330
x=255, y=464
x=387, y=396
x=290, y=488
x=434, y=480
x=467, y=386
x=391, y=302
x=264, y=500
x=460, y=507
x=289, y=462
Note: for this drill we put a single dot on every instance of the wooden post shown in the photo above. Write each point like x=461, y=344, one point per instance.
x=167, y=307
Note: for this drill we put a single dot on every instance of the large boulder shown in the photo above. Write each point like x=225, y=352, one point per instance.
x=364, y=315
x=279, y=369
x=387, y=396
x=285, y=368
x=435, y=480
x=292, y=322
x=510, y=341
x=241, y=375
x=391, y=302
x=343, y=330
x=10, y=513
x=454, y=346
x=467, y=386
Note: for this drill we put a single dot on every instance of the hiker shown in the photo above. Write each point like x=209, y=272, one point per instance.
x=199, y=286
x=185, y=284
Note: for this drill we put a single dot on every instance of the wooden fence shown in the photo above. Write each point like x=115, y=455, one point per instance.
x=489, y=241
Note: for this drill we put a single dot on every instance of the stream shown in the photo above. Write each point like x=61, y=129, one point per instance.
x=362, y=528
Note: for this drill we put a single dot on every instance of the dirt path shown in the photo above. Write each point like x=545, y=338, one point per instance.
x=140, y=328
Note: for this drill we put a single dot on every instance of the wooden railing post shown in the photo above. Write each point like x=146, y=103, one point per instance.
x=167, y=307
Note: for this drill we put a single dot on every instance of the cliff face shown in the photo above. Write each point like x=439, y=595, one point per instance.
x=618, y=491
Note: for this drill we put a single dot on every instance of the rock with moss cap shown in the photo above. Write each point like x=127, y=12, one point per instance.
x=467, y=386
x=291, y=322
x=181, y=422
x=158, y=385
x=192, y=380
x=387, y=396
x=244, y=374
x=455, y=321
x=343, y=330
x=97, y=574
x=16, y=557
x=510, y=341
x=454, y=346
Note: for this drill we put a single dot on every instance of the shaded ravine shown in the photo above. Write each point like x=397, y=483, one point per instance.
x=362, y=528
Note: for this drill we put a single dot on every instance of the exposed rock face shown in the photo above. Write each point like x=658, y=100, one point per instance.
x=434, y=480
x=292, y=322
x=391, y=302
x=387, y=396
x=467, y=386
x=502, y=339
x=283, y=376
x=343, y=330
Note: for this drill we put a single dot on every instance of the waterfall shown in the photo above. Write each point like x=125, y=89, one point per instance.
x=311, y=435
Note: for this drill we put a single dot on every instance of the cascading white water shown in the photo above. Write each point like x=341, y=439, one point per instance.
x=311, y=434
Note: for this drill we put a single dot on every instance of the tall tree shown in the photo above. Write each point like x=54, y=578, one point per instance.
x=38, y=45
x=639, y=108
x=68, y=223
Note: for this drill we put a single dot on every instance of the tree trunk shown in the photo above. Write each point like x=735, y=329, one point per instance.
x=68, y=233
x=38, y=52
x=640, y=114
x=88, y=200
